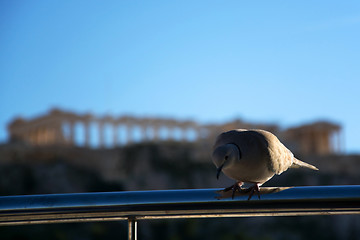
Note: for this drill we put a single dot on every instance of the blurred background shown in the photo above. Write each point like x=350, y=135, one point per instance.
x=128, y=95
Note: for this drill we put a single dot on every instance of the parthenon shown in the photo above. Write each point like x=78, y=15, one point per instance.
x=65, y=128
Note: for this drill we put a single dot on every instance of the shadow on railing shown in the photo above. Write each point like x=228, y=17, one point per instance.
x=167, y=204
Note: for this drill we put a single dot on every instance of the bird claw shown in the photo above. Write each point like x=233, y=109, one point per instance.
x=253, y=189
x=238, y=187
x=234, y=188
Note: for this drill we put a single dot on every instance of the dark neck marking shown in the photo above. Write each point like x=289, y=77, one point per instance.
x=240, y=155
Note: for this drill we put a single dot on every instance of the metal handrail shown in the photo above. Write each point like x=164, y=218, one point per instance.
x=167, y=204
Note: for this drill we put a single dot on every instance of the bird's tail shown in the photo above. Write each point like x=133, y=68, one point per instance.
x=297, y=163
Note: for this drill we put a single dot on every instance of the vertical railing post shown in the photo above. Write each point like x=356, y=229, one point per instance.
x=132, y=228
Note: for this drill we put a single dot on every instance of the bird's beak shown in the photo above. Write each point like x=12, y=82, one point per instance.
x=218, y=171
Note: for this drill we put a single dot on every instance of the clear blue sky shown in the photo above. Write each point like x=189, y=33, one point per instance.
x=285, y=62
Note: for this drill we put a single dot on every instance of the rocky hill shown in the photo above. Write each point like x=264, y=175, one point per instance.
x=40, y=170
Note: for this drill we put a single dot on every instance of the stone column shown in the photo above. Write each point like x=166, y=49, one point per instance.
x=33, y=137
x=59, y=133
x=200, y=133
x=37, y=136
x=27, y=136
x=115, y=135
x=338, y=141
x=319, y=142
x=87, y=133
x=156, y=133
x=46, y=136
x=72, y=133
x=171, y=133
x=144, y=136
x=183, y=134
x=101, y=134
x=128, y=129
x=51, y=136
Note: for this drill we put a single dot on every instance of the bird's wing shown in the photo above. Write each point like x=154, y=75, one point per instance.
x=281, y=158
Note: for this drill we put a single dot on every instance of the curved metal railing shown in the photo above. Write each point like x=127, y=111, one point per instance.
x=167, y=204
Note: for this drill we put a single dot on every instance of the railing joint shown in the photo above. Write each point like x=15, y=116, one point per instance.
x=132, y=228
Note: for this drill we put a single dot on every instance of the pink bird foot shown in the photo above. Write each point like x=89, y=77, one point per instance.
x=237, y=187
x=234, y=188
x=252, y=190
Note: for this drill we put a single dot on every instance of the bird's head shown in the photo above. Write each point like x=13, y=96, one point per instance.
x=225, y=156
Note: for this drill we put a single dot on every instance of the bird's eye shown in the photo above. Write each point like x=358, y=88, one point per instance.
x=226, y=157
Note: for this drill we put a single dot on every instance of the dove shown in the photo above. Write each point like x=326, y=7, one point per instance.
x=252, y=156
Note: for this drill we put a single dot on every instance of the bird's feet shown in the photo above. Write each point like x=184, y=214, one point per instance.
x=234, y=188
x=237, y=187
x=254, y=188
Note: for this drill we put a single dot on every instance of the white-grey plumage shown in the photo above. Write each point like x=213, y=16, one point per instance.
x=252, y=156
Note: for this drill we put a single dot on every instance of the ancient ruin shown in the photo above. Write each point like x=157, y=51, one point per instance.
x=318, y=138
x=65, y=128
